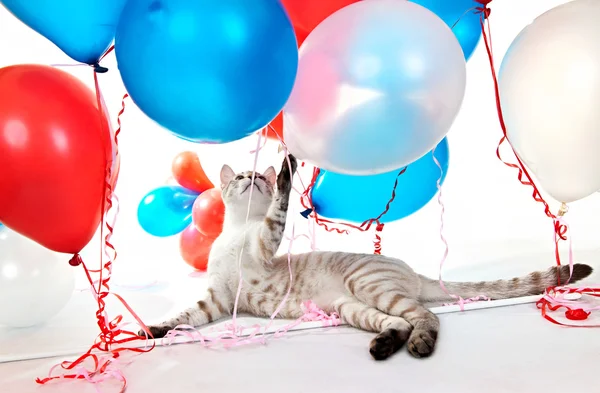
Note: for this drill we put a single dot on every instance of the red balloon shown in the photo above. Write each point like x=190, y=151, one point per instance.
x=275, y=131
x=208, y=213
x=55, y=148
x=195, y=248
x=307, y=14
x=188, y=172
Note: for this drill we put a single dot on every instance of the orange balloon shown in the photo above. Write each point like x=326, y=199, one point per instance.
x=195, y=248
x=188, y=172
x=208, y=213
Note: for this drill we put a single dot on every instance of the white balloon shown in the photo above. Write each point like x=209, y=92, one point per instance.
x=35, y=283
x=550, y=90
x=379, y=84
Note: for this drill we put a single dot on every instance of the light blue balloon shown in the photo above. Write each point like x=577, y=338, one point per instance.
x=167, y=210
x=83, y=29
x=462, y=17
x=360, y=198
x=210, y=71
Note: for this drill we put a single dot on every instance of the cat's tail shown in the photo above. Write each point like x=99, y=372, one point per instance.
x=533, y=284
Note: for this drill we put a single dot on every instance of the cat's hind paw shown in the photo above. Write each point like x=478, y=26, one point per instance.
x=157, y=331
x=421, y=342
x=386, y=343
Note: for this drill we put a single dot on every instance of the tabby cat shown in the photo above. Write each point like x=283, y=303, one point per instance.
x=370, y=292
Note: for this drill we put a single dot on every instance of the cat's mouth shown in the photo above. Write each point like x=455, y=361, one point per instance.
x=248, y=186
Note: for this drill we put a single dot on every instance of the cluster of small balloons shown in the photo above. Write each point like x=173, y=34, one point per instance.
x=194, y=208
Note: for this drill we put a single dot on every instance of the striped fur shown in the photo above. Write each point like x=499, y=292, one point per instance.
x=370, y=292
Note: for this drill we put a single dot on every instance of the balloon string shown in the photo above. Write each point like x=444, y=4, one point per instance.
x=560, y=230
x=240, y=256
x=307, y=203
x=108, y=340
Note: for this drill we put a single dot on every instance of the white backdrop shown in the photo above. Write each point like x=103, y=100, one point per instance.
x=489, y=215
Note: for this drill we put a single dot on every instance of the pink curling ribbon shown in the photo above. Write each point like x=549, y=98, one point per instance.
x=460, y=301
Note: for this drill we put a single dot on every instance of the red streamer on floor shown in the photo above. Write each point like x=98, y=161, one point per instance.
x=548, y=304
x=559, y=229
x=112, y=335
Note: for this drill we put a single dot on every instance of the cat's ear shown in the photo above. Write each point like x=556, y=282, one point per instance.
x=271, y=175
x=227, y=174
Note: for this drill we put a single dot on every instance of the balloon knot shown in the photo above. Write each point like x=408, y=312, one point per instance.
x=99, y=69
x=485, y=11
x=576, y=315
x=306, y=213
x=76, y=260
x=564, y=209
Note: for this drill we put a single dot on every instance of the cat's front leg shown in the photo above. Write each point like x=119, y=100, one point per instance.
x=210, y=308
x=270, y=234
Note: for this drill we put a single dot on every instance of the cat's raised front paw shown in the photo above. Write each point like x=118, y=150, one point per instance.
x=284, y=179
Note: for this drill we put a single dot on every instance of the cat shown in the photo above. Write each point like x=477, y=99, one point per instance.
x=371, y=292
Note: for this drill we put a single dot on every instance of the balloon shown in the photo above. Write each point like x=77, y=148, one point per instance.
x=35, y=283
x=549, y=88
x=208, y=213
x=195, y=248
x=55, y=146
x=166, y=211
x=360, y=198
x=275, y=129
x=209, y=71
x=82, y=29
x=188, y=172
x=379, y=85
x=307, y=14
x=462, y=17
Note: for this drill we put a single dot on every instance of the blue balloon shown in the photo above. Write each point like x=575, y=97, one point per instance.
x=83, y=29
x=360, y=198
x=468, y=28
x=167, y=210
x=210, y=71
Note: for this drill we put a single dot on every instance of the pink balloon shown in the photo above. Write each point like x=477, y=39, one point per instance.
x=319, y=96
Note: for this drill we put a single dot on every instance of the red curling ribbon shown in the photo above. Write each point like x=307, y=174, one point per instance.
x=112, y=335
x=577, y=315
x=552, y=301
x=307, y=203
x=560, y=230
x=377, y=242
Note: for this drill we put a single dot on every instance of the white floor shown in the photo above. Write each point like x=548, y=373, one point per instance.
x=508, y=349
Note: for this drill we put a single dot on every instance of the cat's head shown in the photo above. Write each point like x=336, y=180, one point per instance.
x=236, y=188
